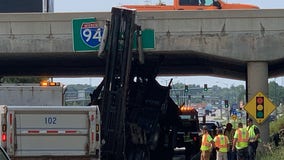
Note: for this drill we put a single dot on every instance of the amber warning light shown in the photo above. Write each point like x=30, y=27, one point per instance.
x=186, y=108
x=46, y=83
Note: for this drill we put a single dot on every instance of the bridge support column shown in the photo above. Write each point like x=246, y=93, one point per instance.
x=257, y=80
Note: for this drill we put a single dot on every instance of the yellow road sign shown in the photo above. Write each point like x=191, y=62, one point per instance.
x=259, y=107
x=234, y=117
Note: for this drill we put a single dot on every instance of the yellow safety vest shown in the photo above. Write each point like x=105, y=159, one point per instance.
x=251, y=133
x=205, y=143
x=221, y=141
x=242, y=135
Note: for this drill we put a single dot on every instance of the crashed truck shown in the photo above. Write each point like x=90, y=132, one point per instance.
x=139, y=119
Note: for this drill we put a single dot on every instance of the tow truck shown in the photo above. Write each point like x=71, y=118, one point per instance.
x=192, y=5
x=188, y=135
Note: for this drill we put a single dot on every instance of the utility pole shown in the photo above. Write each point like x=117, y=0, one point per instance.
x=221, y=110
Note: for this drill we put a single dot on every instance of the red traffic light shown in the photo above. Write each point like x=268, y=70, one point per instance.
x=260, y=100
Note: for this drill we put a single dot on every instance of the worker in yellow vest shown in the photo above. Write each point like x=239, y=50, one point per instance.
x=206, y=144
x=240, y=142
x=221, y=145
x=254, y=138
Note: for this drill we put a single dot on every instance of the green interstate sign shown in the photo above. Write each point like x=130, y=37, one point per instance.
x=87, y=36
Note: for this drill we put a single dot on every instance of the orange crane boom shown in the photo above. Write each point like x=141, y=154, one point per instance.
x=192, y=5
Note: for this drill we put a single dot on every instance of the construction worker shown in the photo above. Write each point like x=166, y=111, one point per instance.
x=206, y=144
x=240, y=142
x=254, y=138
x=221, y=145
x=229, y=132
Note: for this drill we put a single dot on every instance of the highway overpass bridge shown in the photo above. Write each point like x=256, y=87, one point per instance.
x=238, y=44
x=217, y=43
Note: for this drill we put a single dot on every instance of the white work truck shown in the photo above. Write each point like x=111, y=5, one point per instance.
x=51, y=132
x=32, y=94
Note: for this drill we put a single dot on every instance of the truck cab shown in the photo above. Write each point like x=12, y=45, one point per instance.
x=210, y=5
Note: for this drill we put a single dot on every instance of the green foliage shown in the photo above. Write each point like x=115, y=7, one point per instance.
x=275, y=153
x=77, y=103
x=276, y=93
x=79, y=86
x=180, y=86
x=276, y=125
x=234, y=94
x=22, y=79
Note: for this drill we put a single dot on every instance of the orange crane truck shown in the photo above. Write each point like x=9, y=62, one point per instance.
x=192, y=5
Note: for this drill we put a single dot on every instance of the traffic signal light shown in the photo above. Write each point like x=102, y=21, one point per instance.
x=186, y=88
x=205, y=88
x=189, y=96
x=202, y=96
x=226, y=103
x=259, y=107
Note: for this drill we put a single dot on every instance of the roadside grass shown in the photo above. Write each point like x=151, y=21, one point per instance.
x=275, y=126
x=274, y=154
x=271, y=152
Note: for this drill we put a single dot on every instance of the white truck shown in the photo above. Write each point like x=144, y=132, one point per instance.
x=51, y=132
x=32, y=94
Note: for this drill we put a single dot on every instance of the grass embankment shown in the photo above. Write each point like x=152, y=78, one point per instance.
x=275, y=126
x=274, y=153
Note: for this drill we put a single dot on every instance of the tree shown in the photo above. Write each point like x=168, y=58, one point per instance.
x=276, y=93
x=22, y=79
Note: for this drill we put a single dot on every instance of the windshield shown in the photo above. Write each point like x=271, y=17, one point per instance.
x=188, y=117
x=195, y=2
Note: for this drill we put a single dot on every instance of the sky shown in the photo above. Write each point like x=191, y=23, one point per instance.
x=106, y=5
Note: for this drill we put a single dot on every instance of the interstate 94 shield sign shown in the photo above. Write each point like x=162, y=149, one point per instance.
x=86, y=34
x=91, y=34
